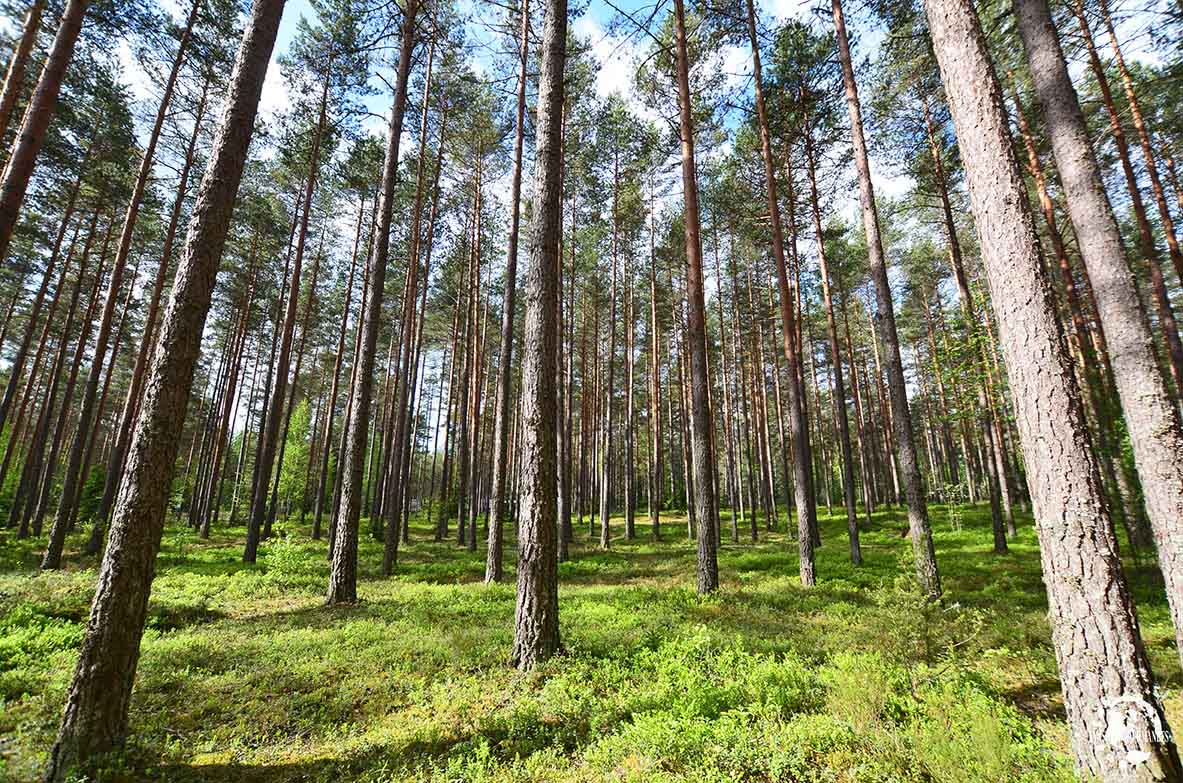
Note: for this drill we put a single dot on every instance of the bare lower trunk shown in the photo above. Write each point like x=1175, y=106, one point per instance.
x=277, y=408
x=95, y=718
x=131, y=403
x=327, y=440
x=804, y=488
x=75, y=470
x=702, y=457
x=840, y=416
x=607, y=446
x=407, y=363
x=905, y=440
x=1117, y=723
x=536, y=618
x=1151, y=418
x=505, y=368
x=343, y=576
x=655, y=464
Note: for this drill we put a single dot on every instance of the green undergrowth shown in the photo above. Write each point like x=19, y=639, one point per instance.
x=246, y=676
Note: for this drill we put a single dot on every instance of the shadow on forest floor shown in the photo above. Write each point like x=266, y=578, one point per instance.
x=245, y=675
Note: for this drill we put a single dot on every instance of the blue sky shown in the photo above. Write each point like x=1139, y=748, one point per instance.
x=615, y=56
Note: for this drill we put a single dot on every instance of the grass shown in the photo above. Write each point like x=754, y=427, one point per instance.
x=246, y=676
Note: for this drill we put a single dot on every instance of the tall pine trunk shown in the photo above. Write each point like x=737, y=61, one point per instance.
x=14, y=79
x=276, y=407
x=655, y=463
x=75, y=470
x=338, y=360
x=27, y=147
x=1151, y=418
x=702, y=459
x=493, y=569
x=905, y=439
x=131, y=404
x=839, y=391
x=607, y=446
x=398, y=455
x=1094, y=628
x=343, y=576
x=95, y=717
x=1146, y=242
x=536, y=617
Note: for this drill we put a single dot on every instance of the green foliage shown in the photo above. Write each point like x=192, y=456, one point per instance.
x=245, y=675
x=287, y=564
x=28, y=633
x=293, y=479
x=92, y=494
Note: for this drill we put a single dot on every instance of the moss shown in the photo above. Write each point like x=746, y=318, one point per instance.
x=245, y=675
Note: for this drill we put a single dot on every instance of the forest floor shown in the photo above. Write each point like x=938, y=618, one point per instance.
x=246, y=676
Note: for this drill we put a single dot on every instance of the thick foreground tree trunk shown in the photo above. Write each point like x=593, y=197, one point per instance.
x=1151, y=418
x=95, y=717
x=1117, y=724
x=536, y=617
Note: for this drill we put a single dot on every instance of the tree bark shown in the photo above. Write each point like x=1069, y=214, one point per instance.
x=1151, y=418
x=75, y=473
x=493, y=570
x=884, y=314
x=606, y=445
x=27, y=147
x=840, y=416
x=276, y=407
x=655, y=463
x=1146, y=242
x=95, y=717
x=707, y=572
x=630, y=329
x=1086, y=344
x=536, y=617
x=131, y=403
x=327, y=440
x=14, y=79
x=343, y=576
x=1117, y=724
x=407, y=363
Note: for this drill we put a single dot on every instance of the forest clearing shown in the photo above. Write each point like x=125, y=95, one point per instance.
x=604, y=390
x=246, y=675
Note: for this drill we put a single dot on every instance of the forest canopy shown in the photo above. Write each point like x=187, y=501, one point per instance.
x=462, y=390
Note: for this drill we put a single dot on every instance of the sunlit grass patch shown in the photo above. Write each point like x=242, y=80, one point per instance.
x=246, y=675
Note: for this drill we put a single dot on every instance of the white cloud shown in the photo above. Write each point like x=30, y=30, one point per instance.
x=176, y=8
x=617, y=57
x=275, y=92
x=737, y=63
x=134, y=75
x=782, y=10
